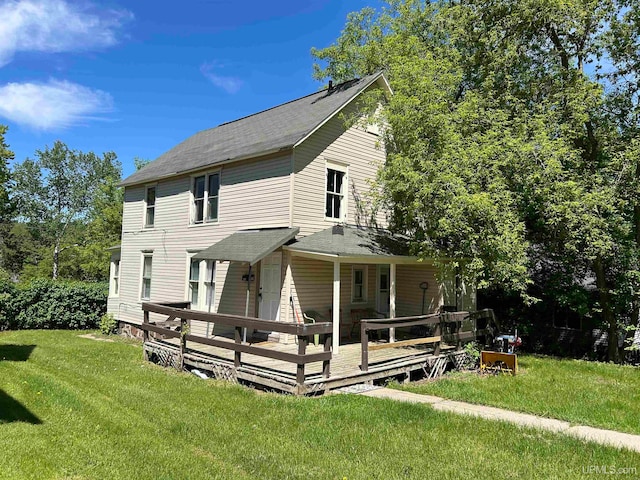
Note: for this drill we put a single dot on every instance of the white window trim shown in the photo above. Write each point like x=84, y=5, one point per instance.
x=192, y=209
x=365, y=281
x=145, y=206
x=203, y=280
x=344, y=207
x=144, y=255
x=113, y=277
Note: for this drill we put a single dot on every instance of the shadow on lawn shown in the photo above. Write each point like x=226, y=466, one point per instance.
x=10, y=409
x=15, y=353
x=13, y=411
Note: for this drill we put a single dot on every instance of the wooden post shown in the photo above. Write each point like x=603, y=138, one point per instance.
x=183, y=342
x=364, y=344
x=392, y=300
x=437, y=333
x=145, y=334
x=302, y=350
x=326, y=364
x=336, y=307
x=236, y=357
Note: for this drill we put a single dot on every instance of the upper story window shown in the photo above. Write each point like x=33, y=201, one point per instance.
x=115, y=277
x=335, y=205
x=205, y=192
x=150, y=206
x=145, y=291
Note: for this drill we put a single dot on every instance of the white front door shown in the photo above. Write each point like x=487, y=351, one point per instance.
x=383, y=289
x=270, y=280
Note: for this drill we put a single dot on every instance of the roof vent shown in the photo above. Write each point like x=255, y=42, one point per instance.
x=338, y=230
x=330, y=85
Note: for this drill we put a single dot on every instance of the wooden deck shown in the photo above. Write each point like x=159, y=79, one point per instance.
x=302, y=367
x=280, y=375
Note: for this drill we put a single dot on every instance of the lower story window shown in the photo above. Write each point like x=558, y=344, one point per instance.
x=145, y=293
x=115, y=281
x=202, y=284
x=359, y=285
x=194, y=282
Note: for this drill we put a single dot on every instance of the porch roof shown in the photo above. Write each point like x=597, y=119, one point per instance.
x=248, y=246
x=352, y=241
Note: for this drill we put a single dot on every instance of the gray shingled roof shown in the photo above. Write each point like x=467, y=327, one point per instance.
x=351, y=241
x=248, y=246
x=278, y=128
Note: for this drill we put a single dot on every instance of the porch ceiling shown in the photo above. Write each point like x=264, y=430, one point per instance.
x=248, y=246
x=351, y=241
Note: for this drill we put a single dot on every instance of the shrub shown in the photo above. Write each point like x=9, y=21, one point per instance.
x=108, y=324
x=66, y=305
x=472, y=353
x=7, y=297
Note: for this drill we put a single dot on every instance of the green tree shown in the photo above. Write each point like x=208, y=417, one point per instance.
x=103, y=230
x=55, y=193
x=507, y=143
x=6, y=208
x=139, y=162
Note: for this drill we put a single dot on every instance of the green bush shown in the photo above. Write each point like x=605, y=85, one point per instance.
x=472, y=353
x=108, y=324
x=7, y=297
x=47, y=304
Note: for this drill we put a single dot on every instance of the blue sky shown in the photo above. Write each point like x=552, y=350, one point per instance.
x=139, y=77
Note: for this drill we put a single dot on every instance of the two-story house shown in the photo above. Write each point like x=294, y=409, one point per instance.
x=268, y=216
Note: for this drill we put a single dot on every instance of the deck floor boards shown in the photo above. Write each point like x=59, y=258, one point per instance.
x=343, y=365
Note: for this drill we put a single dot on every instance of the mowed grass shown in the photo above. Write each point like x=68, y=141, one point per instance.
x=589, y=393
x=97, y=410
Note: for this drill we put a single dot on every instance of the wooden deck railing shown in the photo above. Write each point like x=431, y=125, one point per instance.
x=445, y=327
x=302, y=331
x=376, y=324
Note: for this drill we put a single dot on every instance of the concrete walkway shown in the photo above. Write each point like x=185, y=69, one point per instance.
x=590, y=434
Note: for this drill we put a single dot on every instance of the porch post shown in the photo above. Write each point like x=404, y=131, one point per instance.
x=246, y=304
x=392, y=299
x=336, y=307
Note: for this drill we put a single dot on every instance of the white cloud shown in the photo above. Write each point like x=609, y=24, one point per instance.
x=53, y=105
x=227, y=83
x=56, y=26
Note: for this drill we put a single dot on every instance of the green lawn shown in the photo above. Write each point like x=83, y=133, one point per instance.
x=596, y=394
x=95, y=410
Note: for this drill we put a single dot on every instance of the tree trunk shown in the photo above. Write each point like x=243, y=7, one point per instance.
x=607, y=312
x=56, y=259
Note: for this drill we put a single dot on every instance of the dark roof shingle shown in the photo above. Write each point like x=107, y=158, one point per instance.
x=278, y=128
x=352, y=241
x=248, y=246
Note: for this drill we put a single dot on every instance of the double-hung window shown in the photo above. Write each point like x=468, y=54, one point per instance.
x=194, y=282
x=115, y=278
x=202, y=284
x=359, y=284
x=150, y=206
x=335, y=204
x=205, y=192
x=145, y=291
x=209, y=284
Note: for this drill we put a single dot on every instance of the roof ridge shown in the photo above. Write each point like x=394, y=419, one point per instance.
x=285, y=103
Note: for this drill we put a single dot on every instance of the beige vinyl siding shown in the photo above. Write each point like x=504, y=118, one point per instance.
x=252, y=194
x=467, y=295
x=409, y=293
x=312, y=286
x=354, y=147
